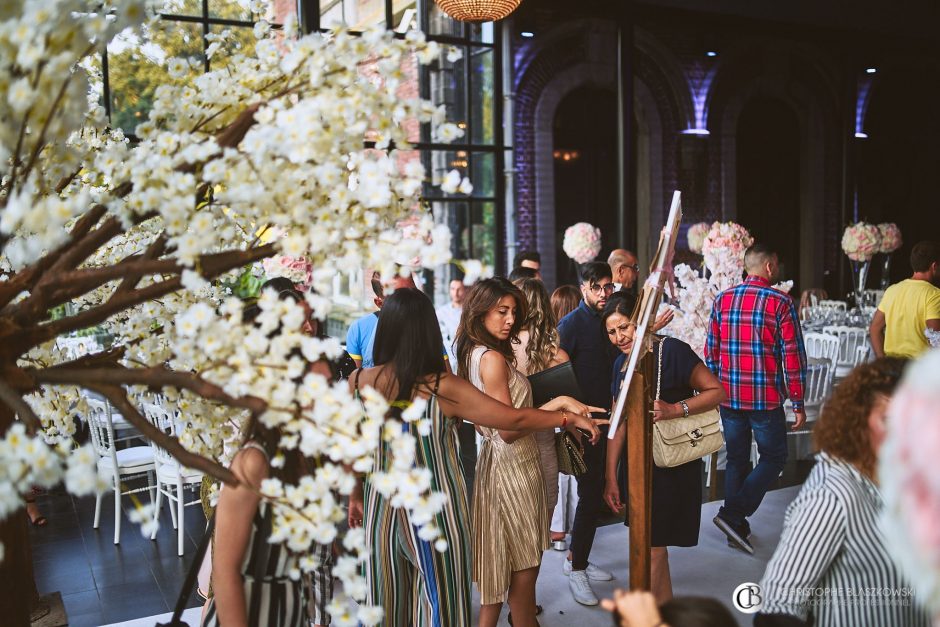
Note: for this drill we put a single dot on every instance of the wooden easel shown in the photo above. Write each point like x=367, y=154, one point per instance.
x=639, y=431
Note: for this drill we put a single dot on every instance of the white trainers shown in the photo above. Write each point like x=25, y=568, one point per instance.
x=581, y=588
x=593, y=572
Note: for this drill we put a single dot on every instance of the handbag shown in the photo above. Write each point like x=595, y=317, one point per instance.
x=557, y=381
x=570, y=454
x=190, y=583
x=682, y=440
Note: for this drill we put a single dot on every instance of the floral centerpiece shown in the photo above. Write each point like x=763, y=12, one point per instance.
x=696, y=236
x=890, y=237
x=582, y=242
x=723, y=247
x=890, y=242
x=298, y=269
x=909, y=477
x=861, y=241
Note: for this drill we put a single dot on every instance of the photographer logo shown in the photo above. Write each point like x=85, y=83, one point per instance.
x=746, y=598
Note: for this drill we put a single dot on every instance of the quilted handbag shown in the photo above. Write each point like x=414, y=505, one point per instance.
x=570, y=454
x=682, y=440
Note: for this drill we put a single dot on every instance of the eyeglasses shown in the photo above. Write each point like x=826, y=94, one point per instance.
x=607, y=288
x=635, y=267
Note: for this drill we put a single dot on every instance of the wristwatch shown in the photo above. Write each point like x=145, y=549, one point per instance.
x=685, y=409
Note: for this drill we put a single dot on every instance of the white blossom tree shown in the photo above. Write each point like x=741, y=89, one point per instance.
x=135, y=237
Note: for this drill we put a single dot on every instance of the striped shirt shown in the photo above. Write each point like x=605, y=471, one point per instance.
x=832, y=562
x=755, y=346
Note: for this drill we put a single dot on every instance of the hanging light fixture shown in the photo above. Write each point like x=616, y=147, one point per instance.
x=478, y=10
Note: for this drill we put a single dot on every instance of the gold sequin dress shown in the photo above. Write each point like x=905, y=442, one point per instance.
x=510, y=520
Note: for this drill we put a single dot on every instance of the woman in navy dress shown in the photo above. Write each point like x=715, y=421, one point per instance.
x=677, y=492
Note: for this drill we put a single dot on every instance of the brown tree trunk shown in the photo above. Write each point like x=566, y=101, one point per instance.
x=18, y=588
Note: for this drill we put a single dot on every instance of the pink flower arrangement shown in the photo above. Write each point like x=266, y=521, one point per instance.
x=890, y=237
x=582, y=242
x=297, y=269
x=696, y=236
x=861, y=241
x=909, y=474
x=724, y=248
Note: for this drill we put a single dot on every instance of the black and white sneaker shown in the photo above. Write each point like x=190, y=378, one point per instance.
x=735, y=538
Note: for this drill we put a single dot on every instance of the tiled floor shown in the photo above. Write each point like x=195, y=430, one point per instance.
x=102, y=582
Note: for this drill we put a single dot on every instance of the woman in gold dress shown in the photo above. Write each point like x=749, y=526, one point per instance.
x=510, y=519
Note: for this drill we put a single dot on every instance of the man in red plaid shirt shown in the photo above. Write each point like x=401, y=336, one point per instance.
x=755, y=347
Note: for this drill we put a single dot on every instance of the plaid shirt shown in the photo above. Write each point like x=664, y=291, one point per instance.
x=754, y=344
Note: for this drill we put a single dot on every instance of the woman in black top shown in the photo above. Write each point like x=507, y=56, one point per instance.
x=677, y=491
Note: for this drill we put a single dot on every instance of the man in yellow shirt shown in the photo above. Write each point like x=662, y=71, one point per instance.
x=909, y=307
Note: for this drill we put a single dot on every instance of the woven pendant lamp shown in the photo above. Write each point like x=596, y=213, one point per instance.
x=478, y=10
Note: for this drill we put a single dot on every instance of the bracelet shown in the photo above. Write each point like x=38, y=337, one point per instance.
x=564, y=419
x=685, y=409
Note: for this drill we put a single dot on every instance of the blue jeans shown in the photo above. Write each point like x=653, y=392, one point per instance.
x=745, y=487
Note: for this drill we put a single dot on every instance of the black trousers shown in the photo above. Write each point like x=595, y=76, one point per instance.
x=591, y=504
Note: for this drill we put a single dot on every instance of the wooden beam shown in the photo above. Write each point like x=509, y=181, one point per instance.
x=640, y=481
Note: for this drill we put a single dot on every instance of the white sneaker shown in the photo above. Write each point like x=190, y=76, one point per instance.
x=581, y=588
x=593, y=572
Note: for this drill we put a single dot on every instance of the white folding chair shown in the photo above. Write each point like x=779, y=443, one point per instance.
x=117, y=465
x=817, y=391
x=862, y=354
x=850, y=338
x=172, y=477
x=822, y=346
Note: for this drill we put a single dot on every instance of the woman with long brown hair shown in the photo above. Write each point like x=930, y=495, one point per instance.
x=565, y=299
x=510, y=519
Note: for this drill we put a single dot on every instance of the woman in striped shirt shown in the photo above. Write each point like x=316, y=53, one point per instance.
x=832, y=567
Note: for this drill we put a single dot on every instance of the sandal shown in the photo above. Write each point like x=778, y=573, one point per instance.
x=538, y=612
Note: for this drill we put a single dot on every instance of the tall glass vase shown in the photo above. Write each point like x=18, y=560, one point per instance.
x=886, y=272
x=859, y=277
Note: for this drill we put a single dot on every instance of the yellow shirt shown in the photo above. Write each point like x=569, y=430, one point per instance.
x=907, y=307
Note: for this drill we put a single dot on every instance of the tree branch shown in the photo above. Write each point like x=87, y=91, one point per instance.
x=15, y=341
x=156, y=248
x=16, y=402
x=118, y=398
x=154, y=377
x=26, y=278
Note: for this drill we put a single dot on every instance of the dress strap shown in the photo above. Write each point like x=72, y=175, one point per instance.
x=257, y=446
x=356, y=381
x=437, y=384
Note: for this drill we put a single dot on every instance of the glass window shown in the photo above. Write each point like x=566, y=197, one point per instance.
x=135, y=70
x=230, y=9
x=482, y=112
x=439, y=23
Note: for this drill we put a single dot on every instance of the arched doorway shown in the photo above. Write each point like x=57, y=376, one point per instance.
x=899, y=159
x=768, y=179
x=585, y=169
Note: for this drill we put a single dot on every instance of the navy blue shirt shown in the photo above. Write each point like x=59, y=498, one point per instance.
x=679, y=360
x=584, y=338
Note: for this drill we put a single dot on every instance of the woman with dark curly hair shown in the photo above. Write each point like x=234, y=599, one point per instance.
x=831, y=566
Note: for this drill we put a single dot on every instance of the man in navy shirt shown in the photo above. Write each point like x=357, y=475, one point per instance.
x=592, y=355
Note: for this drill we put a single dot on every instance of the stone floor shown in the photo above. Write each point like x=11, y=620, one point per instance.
x=103, y=583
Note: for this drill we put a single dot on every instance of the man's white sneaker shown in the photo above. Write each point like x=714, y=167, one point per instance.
x=581, y=588
x=593, y=572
